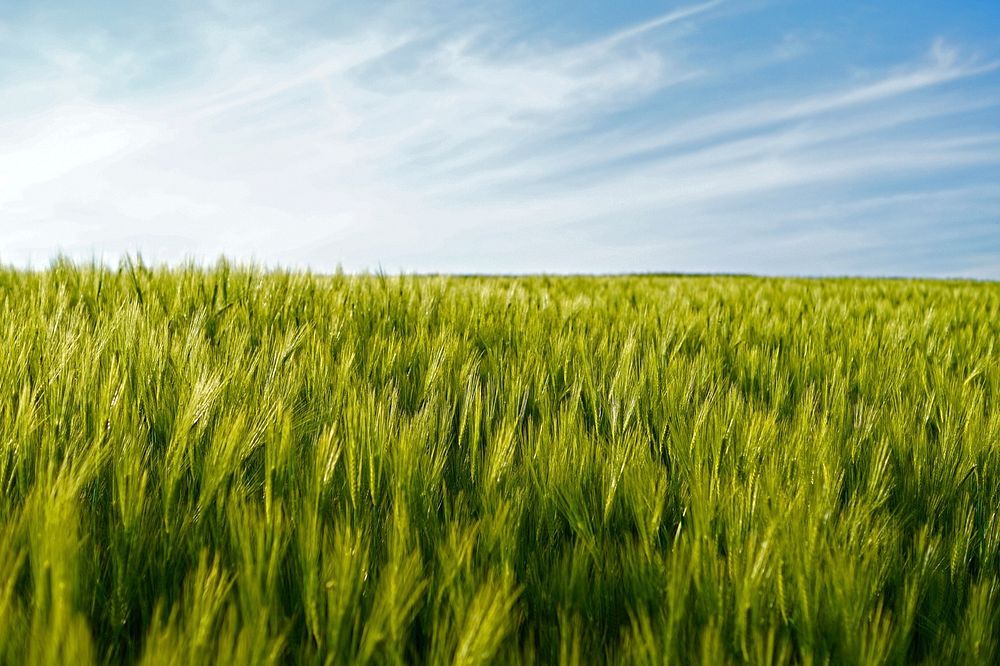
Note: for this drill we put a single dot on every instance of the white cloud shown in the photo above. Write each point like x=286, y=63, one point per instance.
x=68, y=138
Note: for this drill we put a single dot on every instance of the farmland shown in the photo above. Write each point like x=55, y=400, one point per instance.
x=228, y=465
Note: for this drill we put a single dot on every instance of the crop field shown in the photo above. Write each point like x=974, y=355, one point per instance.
x=227, y=465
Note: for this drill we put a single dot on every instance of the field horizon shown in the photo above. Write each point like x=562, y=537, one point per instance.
x=136, y=260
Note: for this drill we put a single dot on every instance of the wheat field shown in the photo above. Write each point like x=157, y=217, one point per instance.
x=228, y=465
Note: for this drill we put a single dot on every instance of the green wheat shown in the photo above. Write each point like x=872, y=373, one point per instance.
x=233, y=466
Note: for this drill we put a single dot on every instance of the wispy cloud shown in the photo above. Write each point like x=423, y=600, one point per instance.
x=420, y=147
x=625, y=35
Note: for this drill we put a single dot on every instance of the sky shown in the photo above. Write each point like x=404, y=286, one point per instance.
x=510, y=136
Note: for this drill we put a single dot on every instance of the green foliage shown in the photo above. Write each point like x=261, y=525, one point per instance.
x=236, y=466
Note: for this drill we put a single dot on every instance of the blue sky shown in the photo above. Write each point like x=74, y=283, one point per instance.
x=802, y=138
